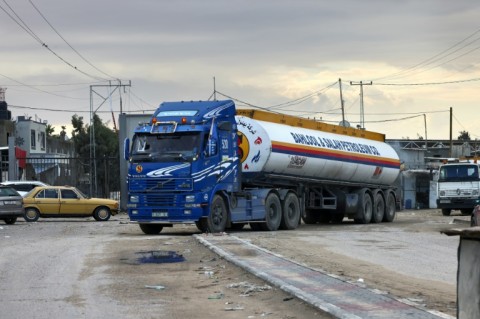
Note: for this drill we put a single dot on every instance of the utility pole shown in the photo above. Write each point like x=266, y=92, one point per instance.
x=93, y=160
x=451, y=140
x=362, y=113
x=341, y=101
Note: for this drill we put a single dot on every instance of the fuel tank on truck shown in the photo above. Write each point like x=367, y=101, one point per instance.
x=273, y=148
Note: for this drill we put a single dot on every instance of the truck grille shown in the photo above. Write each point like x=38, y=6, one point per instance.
x=148, y=185
x=458, y=192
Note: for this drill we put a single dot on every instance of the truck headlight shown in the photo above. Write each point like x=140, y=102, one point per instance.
x=133, y=198
x=475, y=192
x=190, y=198
x=134, y=212
x=442, y=193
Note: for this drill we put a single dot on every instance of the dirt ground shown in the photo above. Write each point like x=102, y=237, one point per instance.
x=204, y=279
x=201, y=285
x=79, y=268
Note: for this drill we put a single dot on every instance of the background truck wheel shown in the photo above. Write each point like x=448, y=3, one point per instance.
x=151, y=229
x=291, y=212
x=446, y=211
x=365, y=209
x=390, y=208
x=273, y=212
x=217, y=219
x=378, y=207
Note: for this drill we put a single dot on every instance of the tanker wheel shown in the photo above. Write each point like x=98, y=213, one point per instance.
x=366, y=210
x=256, y=226
x=378, y=207
x=273, y=213
x=337, y=218
x=324, y=217
x=237, y=226
x=217, y=219
x=291, y=212
x=390, y=208
x=151, y=229
x=446, y=211
x=310, y=218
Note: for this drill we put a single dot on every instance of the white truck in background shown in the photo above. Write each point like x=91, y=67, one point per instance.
x=458, y=187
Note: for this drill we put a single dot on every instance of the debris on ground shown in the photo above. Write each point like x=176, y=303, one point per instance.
x=249, y=288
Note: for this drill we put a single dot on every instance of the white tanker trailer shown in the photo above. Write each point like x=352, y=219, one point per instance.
x=234, y=167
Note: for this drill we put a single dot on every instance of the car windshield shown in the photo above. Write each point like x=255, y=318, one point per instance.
x=455, y=173
x=8, y=191
x=182, y=147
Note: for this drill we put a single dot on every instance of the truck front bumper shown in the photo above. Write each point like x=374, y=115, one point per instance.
x=457, y=203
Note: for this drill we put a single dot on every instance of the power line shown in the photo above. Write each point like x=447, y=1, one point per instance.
x=27, y=29
x=71, y=47
x=429, y=83
x=40, y=90
x=434, y=58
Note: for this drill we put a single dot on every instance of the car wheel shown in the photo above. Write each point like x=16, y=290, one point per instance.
x=102, y=214
x=31, y=215
x=10, y=221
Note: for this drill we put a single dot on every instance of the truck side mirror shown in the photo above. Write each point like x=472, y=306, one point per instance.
x=126, y=149
x=225, y=126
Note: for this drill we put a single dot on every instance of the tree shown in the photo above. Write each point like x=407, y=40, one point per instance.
x=49, y=130
x=464, y=136
x=106, y=151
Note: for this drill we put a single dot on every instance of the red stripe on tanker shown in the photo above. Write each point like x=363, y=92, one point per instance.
x=281, y=149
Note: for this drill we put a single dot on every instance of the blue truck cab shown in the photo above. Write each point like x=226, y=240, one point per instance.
x=182, y=164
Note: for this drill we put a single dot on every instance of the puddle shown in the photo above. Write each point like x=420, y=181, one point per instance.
x=159, y=257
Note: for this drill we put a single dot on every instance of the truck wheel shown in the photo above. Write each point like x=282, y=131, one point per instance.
x=10, y=221
x=446, y=211
x=202, y=225
x=378, y=207
x=273, y=212
x=217, y=219
x=291, y=212
x=310, y=217
x=365, y=209
x=151, y=229
x=390, y=208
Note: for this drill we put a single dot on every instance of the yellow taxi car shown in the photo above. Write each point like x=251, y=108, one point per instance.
x=65, y=201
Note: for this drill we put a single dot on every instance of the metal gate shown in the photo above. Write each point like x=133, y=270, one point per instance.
x=76, y=171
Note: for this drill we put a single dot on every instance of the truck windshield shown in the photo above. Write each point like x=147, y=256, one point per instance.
x=182, y=147
x=455, y=173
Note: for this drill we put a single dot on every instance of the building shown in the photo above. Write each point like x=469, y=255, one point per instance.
x=420, y=160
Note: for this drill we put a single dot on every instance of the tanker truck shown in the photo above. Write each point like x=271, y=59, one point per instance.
x=209, y=163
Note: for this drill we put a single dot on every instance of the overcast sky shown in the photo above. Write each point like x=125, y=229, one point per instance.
x=422, y=56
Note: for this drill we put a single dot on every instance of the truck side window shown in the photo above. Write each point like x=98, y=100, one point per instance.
x=210, y=146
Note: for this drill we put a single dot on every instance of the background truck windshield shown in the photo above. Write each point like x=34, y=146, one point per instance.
x=166, y=148
x=451, y=173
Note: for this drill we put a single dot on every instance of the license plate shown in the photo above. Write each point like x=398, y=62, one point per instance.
x=159, y=214
x=445, y=201
x=10, y=202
